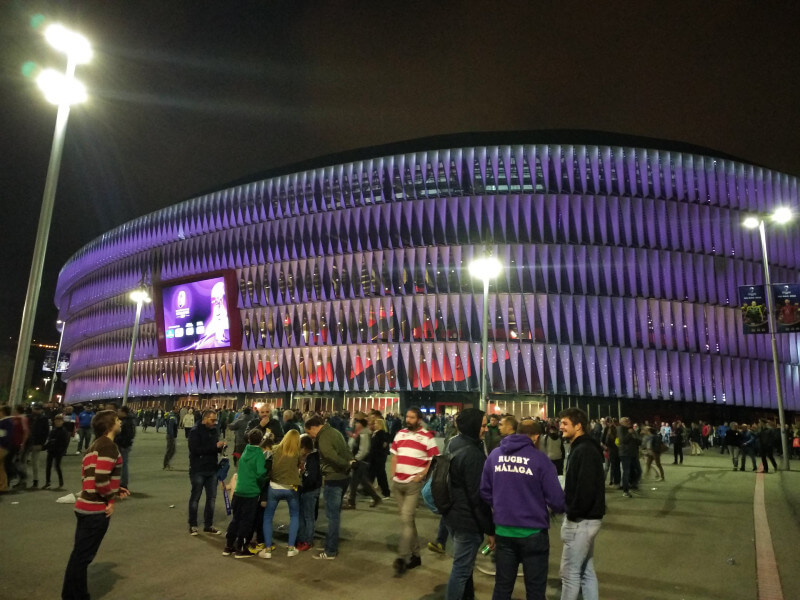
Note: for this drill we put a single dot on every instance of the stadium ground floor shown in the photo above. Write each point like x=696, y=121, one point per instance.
x=448, y=403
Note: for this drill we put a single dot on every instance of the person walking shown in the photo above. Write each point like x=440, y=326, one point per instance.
x=125, y=442
x=378, y=451
x=56, y=446
x=469, y=517
x=677, y=438
x=412, y=450
x=204, y=448
x=173, y=424
x=585, y=507
x=733, y=442
x=84, y=429
x=766, y=445
x=628, y=452
x=39, y=427
x=654, y=447
x=188, y=422
x=520, y=484
x=100, y=473
x=360, y=443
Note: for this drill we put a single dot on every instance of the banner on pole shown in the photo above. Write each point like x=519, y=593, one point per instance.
x=786, y=304
x=753, y=302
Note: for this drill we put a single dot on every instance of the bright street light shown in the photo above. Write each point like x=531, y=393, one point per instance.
x=60, y=327
x=780, y=216
x=74, y=45
x=140, y=296
x=61, y=90
x=485, y=269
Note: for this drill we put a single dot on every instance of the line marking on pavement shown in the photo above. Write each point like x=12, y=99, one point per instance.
x=769, y=580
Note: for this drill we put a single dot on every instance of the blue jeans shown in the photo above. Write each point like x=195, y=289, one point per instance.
x=126, y=453
x=442, y=533
x=308, y=516
x=533, y=552
x=333, y=495
x=577, y=559
x=200, y=482
x=273, y=497
x=465, y=549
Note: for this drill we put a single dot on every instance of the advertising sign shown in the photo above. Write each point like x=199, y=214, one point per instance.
x=787, y=307
x=50, y=360
x=195, y=315
x=753, y=304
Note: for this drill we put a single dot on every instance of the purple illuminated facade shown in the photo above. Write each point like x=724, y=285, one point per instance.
x=621, y=270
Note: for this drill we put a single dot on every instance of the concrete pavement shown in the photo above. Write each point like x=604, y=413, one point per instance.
x=689, y=537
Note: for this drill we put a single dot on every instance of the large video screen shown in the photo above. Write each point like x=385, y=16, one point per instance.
x=198, y=315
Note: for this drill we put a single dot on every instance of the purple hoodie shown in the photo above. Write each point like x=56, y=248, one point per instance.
x=519, y=482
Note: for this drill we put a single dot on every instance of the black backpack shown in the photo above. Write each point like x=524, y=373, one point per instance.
x=436, y=491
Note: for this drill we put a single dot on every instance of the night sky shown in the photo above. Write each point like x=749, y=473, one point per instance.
x=188, y=96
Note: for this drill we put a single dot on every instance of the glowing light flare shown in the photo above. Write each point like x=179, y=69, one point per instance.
x=74, y=45
x=751, y=222
x=60, y=90
x=486, y=268
x=139, y=296
x=782, y=215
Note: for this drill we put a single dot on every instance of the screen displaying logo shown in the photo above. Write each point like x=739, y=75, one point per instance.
x=196, y=315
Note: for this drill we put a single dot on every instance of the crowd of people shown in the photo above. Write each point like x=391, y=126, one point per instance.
x=508, y=477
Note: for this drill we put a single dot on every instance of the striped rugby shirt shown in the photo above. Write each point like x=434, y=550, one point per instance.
x=100, y=472
x=413, y=451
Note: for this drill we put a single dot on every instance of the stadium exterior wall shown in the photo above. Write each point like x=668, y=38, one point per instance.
x=621, y=272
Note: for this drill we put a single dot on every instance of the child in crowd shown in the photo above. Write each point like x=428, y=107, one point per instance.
x=309, y=493
x=258, y=527
x=250, y=478
x=284, y=481
x=56, y=447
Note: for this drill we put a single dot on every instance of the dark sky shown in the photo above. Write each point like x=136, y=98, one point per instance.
x=186, y=96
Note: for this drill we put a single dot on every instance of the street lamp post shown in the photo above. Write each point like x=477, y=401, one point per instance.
x=485, y=269
x=58, y=355
x=62, y=90
x=780, y=216
x=139, y=296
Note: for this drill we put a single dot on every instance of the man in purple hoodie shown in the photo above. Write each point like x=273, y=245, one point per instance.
x=520, y=483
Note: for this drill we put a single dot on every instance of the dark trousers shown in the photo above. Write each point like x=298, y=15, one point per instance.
x=89, y=534
x=200, y=482
x=359, y=477
x=613, y=467
x=767, y=453
x=678, y=453
x=533, y=552
x=170, y=450
x=84, y=438
x=240, y=529
x=54, y=458
x=377, y=470
x=627, y=471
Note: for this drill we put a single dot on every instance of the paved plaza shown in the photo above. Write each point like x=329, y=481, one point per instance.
x=689, y=537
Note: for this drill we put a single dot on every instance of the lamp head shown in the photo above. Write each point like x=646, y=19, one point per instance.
x=61, y=90
x=782, y=215
x=485, y=268
x=140, y=296
x=751, y=222
x=74, y=45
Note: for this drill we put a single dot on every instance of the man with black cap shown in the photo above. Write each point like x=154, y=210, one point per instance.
x=469, y=517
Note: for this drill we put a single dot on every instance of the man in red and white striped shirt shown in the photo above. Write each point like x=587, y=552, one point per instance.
x=412, y=451
x=100, y=474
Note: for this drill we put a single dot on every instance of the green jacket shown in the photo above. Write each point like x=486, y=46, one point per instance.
x=334, y=454
x=491, y=438
x=252, y=473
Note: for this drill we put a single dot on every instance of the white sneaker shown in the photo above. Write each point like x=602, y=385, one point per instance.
x=265, y=553
x=323, y=556
x=292, y=551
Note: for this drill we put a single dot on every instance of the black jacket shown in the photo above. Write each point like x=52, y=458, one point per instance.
x=312, y=474
x=203, y=450
x=469, y=512
x=584, y=480
x=378, y=447
x=39, y=428
x=273, y=426
x=57, y=441
x=127, y=432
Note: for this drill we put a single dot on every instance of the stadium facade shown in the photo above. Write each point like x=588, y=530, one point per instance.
x=622, y=257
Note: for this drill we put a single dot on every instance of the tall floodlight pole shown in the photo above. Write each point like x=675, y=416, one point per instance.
x=139, y=296
x=485, y=269
x=63, y=326
x=780, y=216
x=62, y=90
